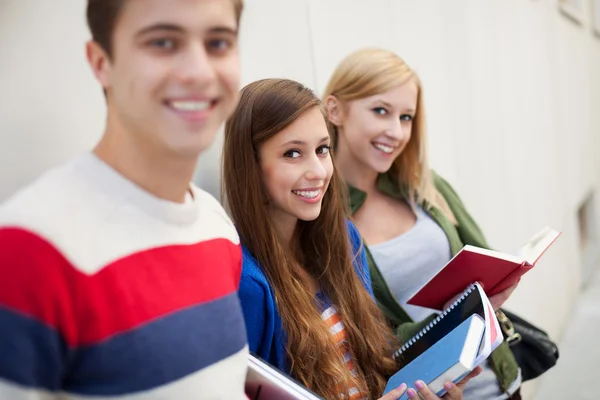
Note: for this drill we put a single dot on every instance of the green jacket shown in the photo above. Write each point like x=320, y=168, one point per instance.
x=466, y=232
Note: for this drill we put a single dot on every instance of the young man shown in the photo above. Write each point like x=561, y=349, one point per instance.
x=119, y=277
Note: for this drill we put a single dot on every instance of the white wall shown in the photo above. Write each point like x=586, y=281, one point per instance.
x=50, y=107
x=512, y=93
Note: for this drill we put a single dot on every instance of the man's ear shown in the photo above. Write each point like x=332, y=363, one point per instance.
x=335, y=112
x=99, y=62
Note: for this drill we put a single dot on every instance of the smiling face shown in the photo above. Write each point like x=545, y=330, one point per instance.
x=173, y=77
x=296, y=169
x=375, y=130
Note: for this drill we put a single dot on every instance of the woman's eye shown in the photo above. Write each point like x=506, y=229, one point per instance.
x=406, y=117
x=324, y=150
x=380, y=110
x=292, y=154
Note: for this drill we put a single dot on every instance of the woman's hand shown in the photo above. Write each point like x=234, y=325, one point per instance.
x=454, y=392
x=498, y=299
x=395, y=394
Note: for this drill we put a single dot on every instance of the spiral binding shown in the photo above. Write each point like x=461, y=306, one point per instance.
x=423, y=331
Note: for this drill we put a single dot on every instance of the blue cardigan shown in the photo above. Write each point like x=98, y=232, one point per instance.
x=266, y=336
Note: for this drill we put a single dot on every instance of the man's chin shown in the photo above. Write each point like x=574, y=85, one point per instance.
x=196, y=142
x=189, y=150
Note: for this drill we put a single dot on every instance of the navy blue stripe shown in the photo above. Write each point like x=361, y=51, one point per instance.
x=32, y=354
x=160, y=352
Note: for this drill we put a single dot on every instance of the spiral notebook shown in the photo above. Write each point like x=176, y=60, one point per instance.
x=452, y=345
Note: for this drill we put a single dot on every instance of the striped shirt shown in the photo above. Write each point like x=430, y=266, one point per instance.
x=337, y=329
x=109, y=292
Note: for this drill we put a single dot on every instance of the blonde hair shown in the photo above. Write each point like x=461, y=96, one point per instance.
x=372, y=71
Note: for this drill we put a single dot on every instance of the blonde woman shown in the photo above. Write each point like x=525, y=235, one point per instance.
x=411, y=220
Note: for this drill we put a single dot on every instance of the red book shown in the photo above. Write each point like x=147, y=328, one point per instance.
x=495, y=270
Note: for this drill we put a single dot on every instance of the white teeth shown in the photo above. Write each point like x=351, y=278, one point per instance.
x=384, y=148
x=190, y=105
x=309, y=194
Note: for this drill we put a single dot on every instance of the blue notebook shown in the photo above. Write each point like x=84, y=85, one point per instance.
x=451, y=346
x=450, y=359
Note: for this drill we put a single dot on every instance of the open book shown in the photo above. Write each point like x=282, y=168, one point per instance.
x=495, y=270
x=452, y=345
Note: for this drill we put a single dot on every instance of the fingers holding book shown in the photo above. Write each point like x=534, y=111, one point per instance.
x=453, y=391
x=424, y=392
x=461, y=385
x=395, y=394
x=499, y=299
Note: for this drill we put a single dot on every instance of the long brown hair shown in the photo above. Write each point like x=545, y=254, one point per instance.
x=372, y=71
x=321, y=248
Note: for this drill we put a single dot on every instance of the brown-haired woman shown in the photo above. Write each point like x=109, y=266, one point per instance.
x=305, y=287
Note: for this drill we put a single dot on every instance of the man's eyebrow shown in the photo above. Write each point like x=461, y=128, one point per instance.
x=223, y=29
x=176, y=28
x=160, y=27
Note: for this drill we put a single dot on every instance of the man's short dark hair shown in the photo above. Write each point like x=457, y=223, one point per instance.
x=102, y=18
